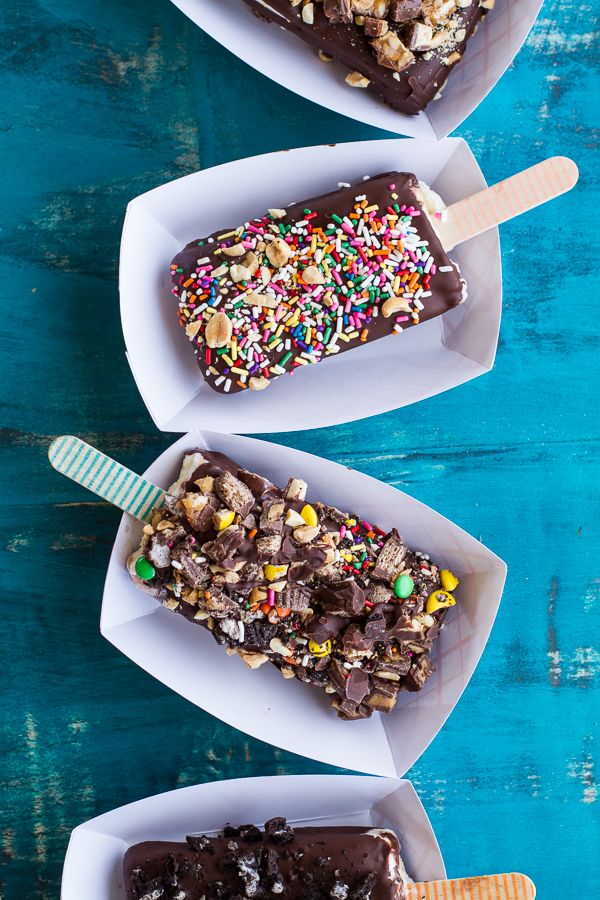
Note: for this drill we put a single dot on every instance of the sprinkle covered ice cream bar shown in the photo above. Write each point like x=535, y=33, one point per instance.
x=342, y=863
x=325, y=596
x=401, y=49
x=296, y=286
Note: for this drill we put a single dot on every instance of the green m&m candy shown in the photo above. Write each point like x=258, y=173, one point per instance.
x=144, y=569
x=403, y=586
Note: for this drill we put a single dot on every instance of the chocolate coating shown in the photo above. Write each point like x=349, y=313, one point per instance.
x=408, y=91
x=295, y=863
x=316, y=601
x=391, y=194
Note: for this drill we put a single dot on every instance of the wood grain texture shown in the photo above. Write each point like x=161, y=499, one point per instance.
x=102, y=101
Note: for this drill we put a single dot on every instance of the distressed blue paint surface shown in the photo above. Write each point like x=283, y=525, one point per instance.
x=103, y=101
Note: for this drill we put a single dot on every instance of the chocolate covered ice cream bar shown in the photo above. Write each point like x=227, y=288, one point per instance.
x=299, y=285
x=401, y=49
x=325, y=596
x=343, y=863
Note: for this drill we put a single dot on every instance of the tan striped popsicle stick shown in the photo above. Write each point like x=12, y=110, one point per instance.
x=510, y=886
x=104, y=476
x=507, y=199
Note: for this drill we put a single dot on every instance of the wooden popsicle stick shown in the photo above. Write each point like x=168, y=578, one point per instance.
x=507, y=199
x=104, y=476
x=510, y=886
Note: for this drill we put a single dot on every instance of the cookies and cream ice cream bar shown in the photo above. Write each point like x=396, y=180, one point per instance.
x=343, y=863
x=325, y=596
x=401, y=49
x=298, y=285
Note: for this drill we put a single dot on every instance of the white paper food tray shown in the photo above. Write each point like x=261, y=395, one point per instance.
x=288, y=713
x=394, y=371
x=286, y=59
x=93, y=865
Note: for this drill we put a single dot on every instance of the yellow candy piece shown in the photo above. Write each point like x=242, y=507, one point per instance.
x=309, y=515
x=319, y=649
x=448, y=579
x=272, y=573
x=439, y=600
x=223, y=519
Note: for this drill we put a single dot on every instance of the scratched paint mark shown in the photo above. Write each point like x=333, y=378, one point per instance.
x=73, y=541
x=8, y=843
x=78, y=727
x=17, y=543
x=39, y=831
x=553, y=654
x=585, y=666
x=583, y=771
x=116, y=68
x=438, y=795
x=534, y=784
x=592, y=595
x=547, y=38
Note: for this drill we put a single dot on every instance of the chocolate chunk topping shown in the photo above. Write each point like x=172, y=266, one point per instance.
x=324, y=611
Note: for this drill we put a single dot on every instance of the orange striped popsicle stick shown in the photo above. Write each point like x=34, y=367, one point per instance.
x=510, y=886
x=506, y=200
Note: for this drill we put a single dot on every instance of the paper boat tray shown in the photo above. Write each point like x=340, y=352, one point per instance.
x=394, y=371
x=290, y=714
x=290, y=62
x=93, y=865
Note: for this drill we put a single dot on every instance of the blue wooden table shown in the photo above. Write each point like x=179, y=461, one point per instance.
x=101, y=101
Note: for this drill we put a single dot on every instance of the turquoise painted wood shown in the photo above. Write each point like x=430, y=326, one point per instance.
x=101, y=101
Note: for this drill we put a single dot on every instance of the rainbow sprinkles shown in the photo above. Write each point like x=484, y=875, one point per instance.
x=296, y=286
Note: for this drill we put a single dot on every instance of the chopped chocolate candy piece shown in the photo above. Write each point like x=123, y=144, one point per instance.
x=405, y=10
x=357, y=685
x=345, y=30
x=322, y=610
x=375, y=27
x=234, y=493
x=193, y=573
x=419, y=36
x=199, y=510
x=296, y=597
x=310, y=863
x=226, y=544
x=346, y=598
x=418, y=674
x=338, y=10
x=391, y=558
x=268, y=545
x=391, y=52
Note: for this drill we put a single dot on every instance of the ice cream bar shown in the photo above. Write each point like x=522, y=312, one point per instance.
x=401, y=49
x=299, y=285
x=325, y=596
x=343, y=863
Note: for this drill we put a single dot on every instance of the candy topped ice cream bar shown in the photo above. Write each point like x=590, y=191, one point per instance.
x=342, y=863
x=302, y=284
x=401, y=49
x=325, y=596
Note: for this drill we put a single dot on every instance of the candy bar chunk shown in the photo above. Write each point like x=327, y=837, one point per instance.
x=294, y=287
x=377, y=42
x=324, y=596
x=342, y=863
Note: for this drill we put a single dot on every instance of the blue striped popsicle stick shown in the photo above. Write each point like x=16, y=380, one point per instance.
x=104, y=476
